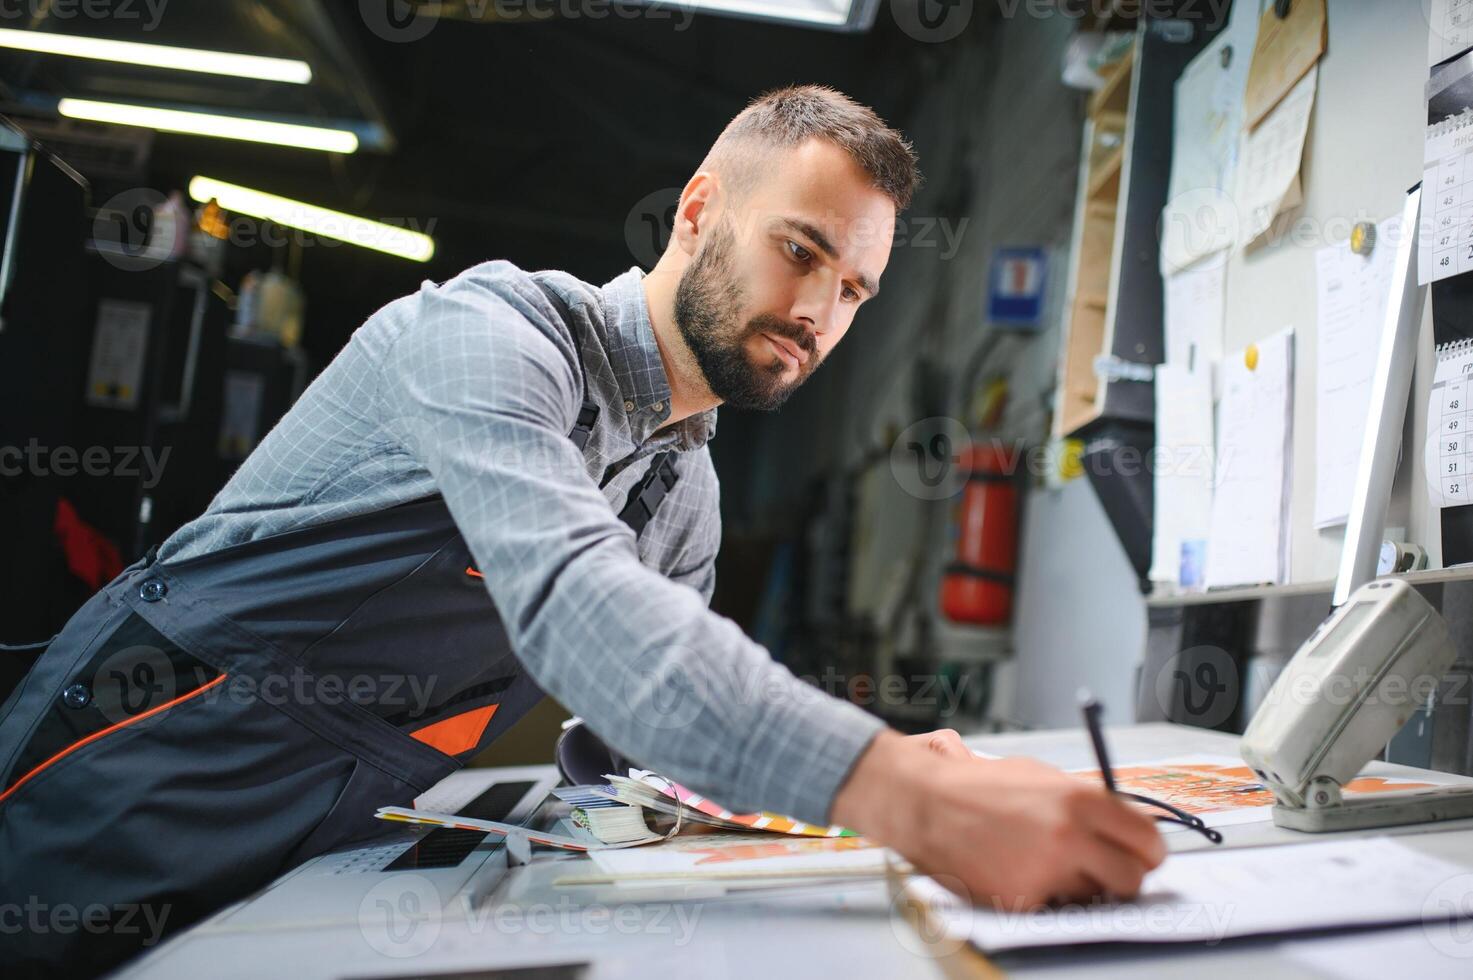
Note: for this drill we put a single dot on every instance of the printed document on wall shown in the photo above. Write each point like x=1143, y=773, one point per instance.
x=1195, y=313
x=1184, y=452
x=1248, y=541
x=1352, y=291
x=1269, y=162
x=1206, y=123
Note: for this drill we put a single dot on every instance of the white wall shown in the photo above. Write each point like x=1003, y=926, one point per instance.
x=1080, y=618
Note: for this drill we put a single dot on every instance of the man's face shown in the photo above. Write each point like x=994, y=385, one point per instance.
x=778, y=276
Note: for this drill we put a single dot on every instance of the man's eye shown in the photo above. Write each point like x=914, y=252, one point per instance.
x=799, y=252
x=851, y=294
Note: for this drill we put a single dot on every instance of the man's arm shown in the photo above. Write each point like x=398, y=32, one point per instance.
x=488, y=391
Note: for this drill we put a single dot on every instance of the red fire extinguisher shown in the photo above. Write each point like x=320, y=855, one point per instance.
x=977, y=587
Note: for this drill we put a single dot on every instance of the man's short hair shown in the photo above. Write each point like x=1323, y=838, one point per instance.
x=786, y=118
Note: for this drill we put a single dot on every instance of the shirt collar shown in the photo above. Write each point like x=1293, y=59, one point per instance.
x=634, y=356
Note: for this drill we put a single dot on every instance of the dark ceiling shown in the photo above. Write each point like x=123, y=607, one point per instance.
x=537, y=139
x=554, y=143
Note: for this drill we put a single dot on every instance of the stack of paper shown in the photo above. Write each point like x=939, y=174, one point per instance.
x=1248, y=543
x=607, y=819
x=1208, y=896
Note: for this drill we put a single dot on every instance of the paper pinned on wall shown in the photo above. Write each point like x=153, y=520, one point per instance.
x=1285, y=49
x=1269, y=161
x=1206, y=123
x=1352, y=294
x=1184, y=470
x=1248, y=541
x=1447, y=460
x=1450, y=31
x=1195, y=312
x=1446, y=243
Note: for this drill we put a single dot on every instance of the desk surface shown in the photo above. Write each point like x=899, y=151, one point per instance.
x=849, y=932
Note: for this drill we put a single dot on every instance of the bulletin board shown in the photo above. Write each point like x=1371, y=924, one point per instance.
x=1363, y=153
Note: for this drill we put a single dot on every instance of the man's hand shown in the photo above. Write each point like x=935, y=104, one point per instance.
x=1006, y=831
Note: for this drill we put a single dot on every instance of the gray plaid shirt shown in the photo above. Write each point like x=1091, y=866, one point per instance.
x=469, y=389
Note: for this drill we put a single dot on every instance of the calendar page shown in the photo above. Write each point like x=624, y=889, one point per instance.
x=1447, y=174
x=1449, y=457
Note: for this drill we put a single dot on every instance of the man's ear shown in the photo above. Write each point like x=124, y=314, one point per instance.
x=694, y=213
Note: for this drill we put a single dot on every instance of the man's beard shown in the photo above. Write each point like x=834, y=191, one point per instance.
x=706, y=304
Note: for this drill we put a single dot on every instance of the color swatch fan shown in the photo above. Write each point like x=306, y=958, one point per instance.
x=650, y=790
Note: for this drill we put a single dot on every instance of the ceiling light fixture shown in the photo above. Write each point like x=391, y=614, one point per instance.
x=159, y=56
x=856, y=15
x=389, y=239
x=209, y=124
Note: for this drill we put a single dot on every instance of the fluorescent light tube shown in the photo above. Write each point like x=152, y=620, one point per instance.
x=208, y=124
x=159, y=56
x=400, y=242
x=800, y=11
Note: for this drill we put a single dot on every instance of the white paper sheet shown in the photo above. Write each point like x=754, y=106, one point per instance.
x=1269, y=161
x=1248, y=540
x=1206, y=896
x=1207, y=120
x=1430, y=951
x=1195, y=313
x=1184, y=470
x=1352, y=294
x=1450, y=29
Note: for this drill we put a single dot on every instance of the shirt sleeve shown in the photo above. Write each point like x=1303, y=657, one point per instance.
x=490, y=391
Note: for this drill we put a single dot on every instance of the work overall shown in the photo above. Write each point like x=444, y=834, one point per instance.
x=201, y=726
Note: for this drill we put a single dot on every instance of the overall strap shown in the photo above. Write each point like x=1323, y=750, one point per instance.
x=588, y=412
x=647, y=495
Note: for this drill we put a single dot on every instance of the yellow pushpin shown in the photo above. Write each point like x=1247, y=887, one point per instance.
x=1363, y=238
x=1250, y=357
